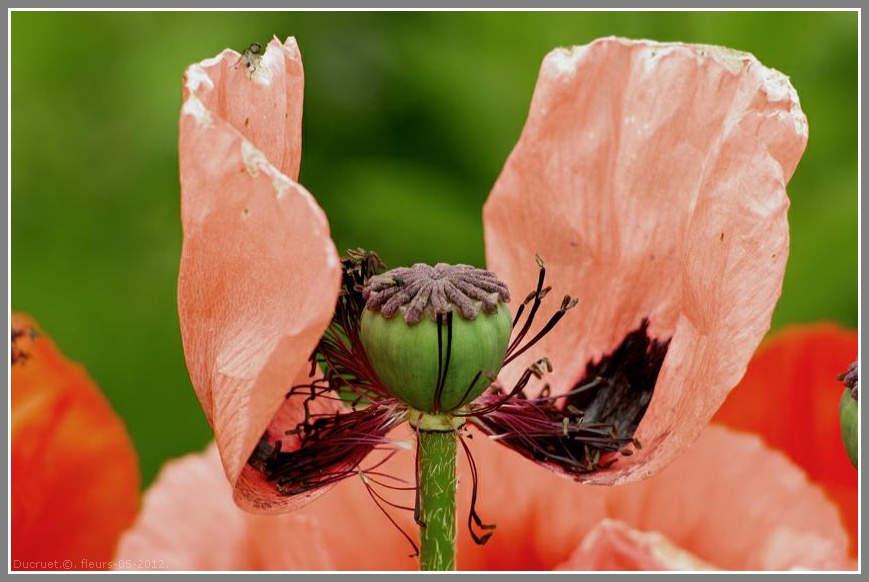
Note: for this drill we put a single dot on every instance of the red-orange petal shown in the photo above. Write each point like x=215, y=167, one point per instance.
x=790, y=396
x=74, y=472
x=651, y=179
x=259, y=273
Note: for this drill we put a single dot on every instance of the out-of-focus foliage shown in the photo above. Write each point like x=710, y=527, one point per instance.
x=408, y=119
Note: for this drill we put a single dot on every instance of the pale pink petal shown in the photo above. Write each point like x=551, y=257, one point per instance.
x=738, y=504
x=651, y=179
x=262, y=102
x=540, y=517
x=259, y=274
x=189, y=522
x=614, y=546
x=165, y=529
x=728, y=503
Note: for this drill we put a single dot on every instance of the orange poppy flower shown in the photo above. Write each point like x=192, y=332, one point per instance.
x=729, y=502
x=650, y=176
x=74, y=472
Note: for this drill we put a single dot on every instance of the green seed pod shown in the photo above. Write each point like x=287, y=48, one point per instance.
x=436, y=336
x=849, y=419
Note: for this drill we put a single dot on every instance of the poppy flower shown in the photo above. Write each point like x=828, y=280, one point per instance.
x=74, y=472
x=731, y=501
x=650, y=177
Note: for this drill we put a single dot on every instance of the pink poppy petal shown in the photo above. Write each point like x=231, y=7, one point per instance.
x=163, y=531
x=729, y=502
x=259, y=274
x=736, y=503
x=614, y=546
x=755, y=511
x=189, y=522
x=651, y=179
x=541, y=517
x=262, y=102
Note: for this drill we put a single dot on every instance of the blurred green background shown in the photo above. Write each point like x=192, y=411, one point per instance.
x=408, y=120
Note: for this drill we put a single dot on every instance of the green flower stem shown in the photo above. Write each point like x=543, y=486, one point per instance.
x=437, y=499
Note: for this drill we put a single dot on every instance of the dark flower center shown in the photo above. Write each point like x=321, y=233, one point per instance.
x=577, y=433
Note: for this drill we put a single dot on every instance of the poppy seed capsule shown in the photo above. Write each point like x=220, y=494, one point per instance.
x=436, y=336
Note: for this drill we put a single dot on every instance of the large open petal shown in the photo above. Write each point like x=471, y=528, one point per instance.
x=729, y=501
x=189, y=522
x=259, y=273
x=651, y=179
x=790, y=396
x=736, y=503
x=754, y=511
x=74, y=473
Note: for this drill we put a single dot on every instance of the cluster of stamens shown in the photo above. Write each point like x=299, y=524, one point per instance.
x=576, y=433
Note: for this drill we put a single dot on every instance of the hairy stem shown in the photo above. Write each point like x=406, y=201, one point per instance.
x=437, y=499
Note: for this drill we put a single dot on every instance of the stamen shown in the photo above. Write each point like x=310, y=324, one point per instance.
x=567, y=303
x=377, y=498
x=473, y=516
x=367, y=480
x=627, y=378
x=370, y=475
x=537, y=369
x=330, y=445
x=417, y=508
x=577, y=431
x=549, y=435
x=537, y=296
x=340, y=352
x=471, y=386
